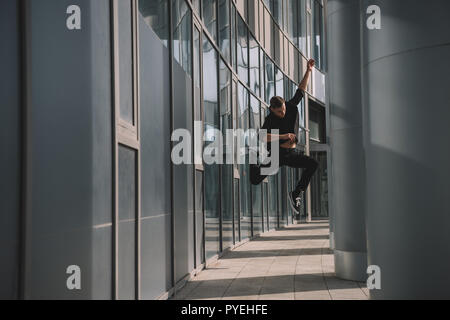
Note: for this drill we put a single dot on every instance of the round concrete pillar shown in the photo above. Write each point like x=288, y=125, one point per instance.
x=347, y=154
x=406, y=95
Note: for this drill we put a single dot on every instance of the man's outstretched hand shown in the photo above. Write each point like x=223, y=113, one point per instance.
x=311, y=64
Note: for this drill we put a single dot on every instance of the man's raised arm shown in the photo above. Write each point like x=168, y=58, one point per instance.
x=303, y=84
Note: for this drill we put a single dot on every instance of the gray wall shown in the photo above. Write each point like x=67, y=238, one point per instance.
x=406, y=130
x=10, y=149
x=156, y=258
x=70, y=151
x=347, y=154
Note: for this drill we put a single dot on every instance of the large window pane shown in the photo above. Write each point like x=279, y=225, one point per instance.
x=273, y=201
x=181, y=18
x=302, y=26
x=244, y=170
x=196, y=4
x=156, y=15
x=242, y=50
x=125, y=35
x=256, y=190
x=226, y=169
x=261, y=93
x=279, y=83
x=209, y=17
x=199, y=217
x=233, y=37
x=277, y=11
x=318, y=34
x=236, y=211
x=293, y=20
x=270, y=79
x=211, y=117
x=224, y=28
x=254, y=65
x=197, y=90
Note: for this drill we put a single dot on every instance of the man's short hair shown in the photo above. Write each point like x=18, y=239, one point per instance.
x=276, y=102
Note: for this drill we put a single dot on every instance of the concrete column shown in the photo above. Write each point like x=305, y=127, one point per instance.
x=347, y=154
x=406, y=76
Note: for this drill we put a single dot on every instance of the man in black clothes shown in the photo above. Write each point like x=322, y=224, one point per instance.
x=284, y=117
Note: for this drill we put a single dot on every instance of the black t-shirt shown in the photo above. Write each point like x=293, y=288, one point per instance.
x=288, y=124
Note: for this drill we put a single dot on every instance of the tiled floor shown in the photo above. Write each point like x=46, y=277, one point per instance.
x=292, y=263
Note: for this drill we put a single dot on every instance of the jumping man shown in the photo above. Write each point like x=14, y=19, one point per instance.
x=284, y=117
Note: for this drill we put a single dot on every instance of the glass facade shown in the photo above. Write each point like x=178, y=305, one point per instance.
x=243, y=54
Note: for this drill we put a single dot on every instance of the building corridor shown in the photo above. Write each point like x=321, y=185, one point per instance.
x=294, y=262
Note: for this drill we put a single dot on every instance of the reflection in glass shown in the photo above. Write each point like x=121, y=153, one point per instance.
x=242, y=50
x=302, y=26
x=254, y=65
x=125, y=36
x=279, y=83
x=211, y=112
x=293, y=19
x=237, y=237
x=256, y=190
x=244, y=170
x=270, y=80
x=199, y=231
x=181, y=19
x=277, y=11
x=209, y=17
x=156, y=15
x=226, y=169
x=233, y=37
x=224, y=29
x=318, y=34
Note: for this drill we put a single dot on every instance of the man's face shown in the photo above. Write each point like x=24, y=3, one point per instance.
x=279, y=112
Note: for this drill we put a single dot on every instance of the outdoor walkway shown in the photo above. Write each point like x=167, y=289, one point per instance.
x=292, y=263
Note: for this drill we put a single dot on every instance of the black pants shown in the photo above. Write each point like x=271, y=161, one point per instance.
x=293, y=158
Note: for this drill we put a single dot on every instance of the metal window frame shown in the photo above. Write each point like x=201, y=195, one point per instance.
x=128, y=136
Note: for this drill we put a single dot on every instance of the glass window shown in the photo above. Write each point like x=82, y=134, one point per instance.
x=241, y=5
x=197, y=91
x=302, y=26
x=268, y=42
x=318, y=34
x=273, y=201
x=196, y=4
x=254, y=65
x=242, y=51
x=211, y=122
x=209, y=17
x=226, y=169
x=293, y=20
x=270, y=80
x=317, y=123
x=244, y=170
x=278, y=11
x=256, y=190
x=262, y=83
x=237, y=237
x=224, y=28
x=125, y=34
x=199, y=191
x=279, y=83
x=233, y=37
x=156, y=15
x=181, y=19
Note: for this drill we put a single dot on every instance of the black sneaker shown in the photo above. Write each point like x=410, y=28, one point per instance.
x=295, y=203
